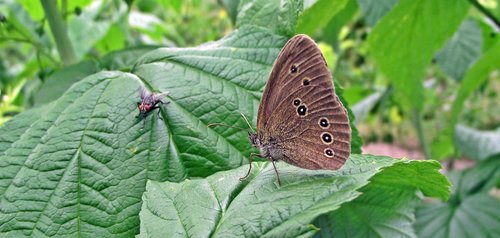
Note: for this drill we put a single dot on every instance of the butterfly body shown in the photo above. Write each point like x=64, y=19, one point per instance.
x=301, y=120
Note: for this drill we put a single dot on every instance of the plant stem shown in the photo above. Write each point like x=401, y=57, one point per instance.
x=58, y=28
x=485, y=12
x=421, y=135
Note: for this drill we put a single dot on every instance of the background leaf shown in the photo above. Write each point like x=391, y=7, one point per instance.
x=477, y=144
x=220, y=205
x=462, y=50
x=278, y=16
x=470, y=212
x=374, y=10
x=362, y=108
x=318, y=15
x=405, y=40
x=386, y=208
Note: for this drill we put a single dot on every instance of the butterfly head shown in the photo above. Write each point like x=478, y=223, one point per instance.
x=254, y=139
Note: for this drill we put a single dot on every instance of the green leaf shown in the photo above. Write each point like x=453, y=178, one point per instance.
x=276, y=15
x=374, y=10
x=470, y=212
x=318, y=15
x=462, y=50
x=75, y=165
x=12, y=130
x=221, y=205
x=332, y=29
x=405, y=40
x=386, y=206
x=478, y=145
x=56, y=84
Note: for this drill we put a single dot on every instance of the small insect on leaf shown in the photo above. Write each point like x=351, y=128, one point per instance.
x=149, y=102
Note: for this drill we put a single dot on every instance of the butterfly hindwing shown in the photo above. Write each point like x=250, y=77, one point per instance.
x=300, y=117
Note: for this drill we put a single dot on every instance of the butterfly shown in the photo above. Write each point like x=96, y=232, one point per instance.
x=301, y=120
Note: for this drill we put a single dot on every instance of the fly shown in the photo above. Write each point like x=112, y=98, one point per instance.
x=149, y=102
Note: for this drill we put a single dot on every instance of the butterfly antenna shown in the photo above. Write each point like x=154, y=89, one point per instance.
x=248, y=123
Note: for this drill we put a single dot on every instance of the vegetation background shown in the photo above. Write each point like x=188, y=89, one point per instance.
x=421, y=78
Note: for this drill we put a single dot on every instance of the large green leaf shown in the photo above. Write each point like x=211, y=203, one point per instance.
x=386, y=208
x=471, y=210
x=318, y=15
x=477, y=144
x=79, y=165
x=222, y=206
x=82, y=164
x=276, y=15
x=405, y=40
x=462, y=50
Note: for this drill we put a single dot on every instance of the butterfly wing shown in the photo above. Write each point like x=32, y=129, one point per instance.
x=301, y=120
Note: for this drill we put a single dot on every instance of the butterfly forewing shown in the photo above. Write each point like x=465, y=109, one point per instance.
x=300, y=117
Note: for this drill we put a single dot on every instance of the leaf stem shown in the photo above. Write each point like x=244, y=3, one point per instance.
x=58, y=28
x=417, y=119
x=485, y=12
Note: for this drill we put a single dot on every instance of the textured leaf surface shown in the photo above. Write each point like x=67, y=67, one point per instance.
x=276, y=15
x=404, y=41
x=471, y=211
x=81, y=166
x=318, y=15
x=71, y=171
x=386, y=208
x=477, y=144
x=222, y=206
x=462, y=50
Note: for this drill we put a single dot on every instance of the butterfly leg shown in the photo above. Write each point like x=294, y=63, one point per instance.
x=277, y=174
x=250, y=165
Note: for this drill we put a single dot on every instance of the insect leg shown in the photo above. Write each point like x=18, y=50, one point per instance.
x=250, y=165
x=277, y=174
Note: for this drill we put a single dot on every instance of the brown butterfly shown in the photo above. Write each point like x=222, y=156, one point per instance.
x=301, y=120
